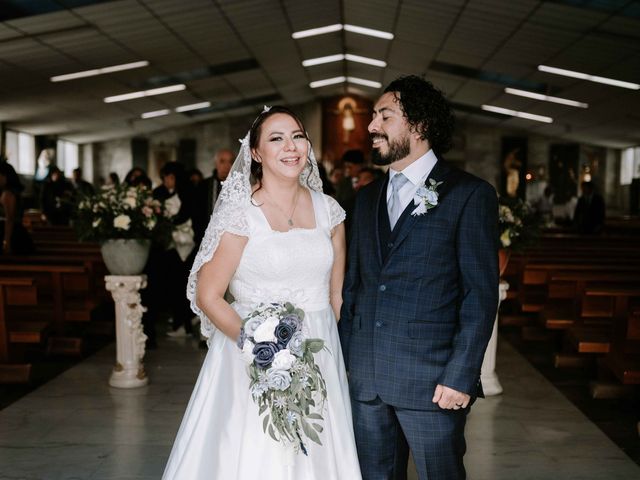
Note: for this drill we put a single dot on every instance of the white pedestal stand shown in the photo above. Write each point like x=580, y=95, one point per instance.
x=130, y=339
x=488, y=376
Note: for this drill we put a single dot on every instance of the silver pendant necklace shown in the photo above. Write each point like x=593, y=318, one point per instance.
x=293, y=209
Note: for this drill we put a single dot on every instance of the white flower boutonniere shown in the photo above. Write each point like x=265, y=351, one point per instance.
x=426, y=198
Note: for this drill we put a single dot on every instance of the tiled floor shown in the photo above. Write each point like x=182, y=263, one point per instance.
x=76, y=427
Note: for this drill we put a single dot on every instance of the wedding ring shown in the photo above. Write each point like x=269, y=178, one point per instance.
x=458, y=404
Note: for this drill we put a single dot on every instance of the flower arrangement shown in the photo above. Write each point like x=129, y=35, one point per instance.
x=119, y=212
x=285, y=383
x=426, y=198
x=519, y=224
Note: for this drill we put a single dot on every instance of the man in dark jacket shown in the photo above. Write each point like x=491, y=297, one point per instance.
x=421, y=291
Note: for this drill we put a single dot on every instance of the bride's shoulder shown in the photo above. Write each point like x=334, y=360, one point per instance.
x=335, y=212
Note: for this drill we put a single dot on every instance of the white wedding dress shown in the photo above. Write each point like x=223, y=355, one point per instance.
x=221, y=435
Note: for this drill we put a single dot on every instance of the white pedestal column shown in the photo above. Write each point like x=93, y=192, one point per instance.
x=130, y=339
x=488, y=376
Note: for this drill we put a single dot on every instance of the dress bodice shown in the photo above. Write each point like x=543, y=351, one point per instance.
x=290, y=266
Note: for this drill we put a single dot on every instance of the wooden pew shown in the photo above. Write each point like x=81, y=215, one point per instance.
x=536, y=277
x=62, y=289
x=17, y=292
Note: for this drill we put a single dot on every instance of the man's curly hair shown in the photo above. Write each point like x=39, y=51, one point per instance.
x=426, y=109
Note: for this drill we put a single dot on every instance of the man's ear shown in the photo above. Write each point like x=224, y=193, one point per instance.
x=416, y=132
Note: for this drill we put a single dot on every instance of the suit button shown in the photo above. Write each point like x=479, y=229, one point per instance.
x=378, y=324
x=390, y=245
x=382, y=288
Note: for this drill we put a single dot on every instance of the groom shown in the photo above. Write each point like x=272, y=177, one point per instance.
x=421, y=291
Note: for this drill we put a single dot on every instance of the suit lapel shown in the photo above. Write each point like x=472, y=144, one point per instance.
x=406, y=222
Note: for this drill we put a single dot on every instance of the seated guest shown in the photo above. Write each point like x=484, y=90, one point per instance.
x=15, y=238
x=353, y=161
x=195, y=177
x=137, y=176
x=57, y=197
x=112, y=180
x=366, y=176
x=590, y=210
x=81, y=186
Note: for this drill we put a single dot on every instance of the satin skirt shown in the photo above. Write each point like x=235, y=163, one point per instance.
x=221, y=437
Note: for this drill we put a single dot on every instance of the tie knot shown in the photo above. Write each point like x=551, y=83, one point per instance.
x=398, y=181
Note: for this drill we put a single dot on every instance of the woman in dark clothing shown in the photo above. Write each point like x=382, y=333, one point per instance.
x=57, y=197
x=15, y=238
x=168, y=269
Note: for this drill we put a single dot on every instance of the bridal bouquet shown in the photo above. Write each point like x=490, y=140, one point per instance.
x=286, y=383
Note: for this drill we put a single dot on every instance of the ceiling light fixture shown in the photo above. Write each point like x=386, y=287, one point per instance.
x=545, y=98
x=193, y=106
x=338, y=27
x=321, y=60
x=366, y=60
x=145, y=93
x=591, y=78
x=99, y=71
x=515, y=113
x=336, y=80
x=317, y=31
x=362, y=81
x=368, y=31
x=156, y=113
x=339, y=57
x=327, y=81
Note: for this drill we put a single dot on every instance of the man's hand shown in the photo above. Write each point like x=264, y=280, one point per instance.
x=449, y=399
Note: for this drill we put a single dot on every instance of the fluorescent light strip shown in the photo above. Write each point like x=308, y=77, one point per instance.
x=99, y=71
x=327, y=81
x=338, y=27
x=336, y=80
x=368, y=31
x=545, y=98
x=156, y=113
x=339, y=57
x=366, y=60
x=145, y=93
x=317, y=31
x=362, y=81
x=515, y=113
x=320, y=60
x=193, y=106
x=591, y=78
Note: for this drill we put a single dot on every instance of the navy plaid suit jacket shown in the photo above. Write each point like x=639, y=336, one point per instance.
x=424, y=315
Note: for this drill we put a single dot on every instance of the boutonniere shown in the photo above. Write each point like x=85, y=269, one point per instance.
x=426, y=198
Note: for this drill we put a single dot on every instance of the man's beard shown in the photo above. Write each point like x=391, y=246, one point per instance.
x=397, y=151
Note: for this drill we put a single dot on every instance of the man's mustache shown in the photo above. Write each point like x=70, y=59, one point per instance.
x=374, y=136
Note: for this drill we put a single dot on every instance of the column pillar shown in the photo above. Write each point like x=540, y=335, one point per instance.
x=488, y=376
x=128, y=371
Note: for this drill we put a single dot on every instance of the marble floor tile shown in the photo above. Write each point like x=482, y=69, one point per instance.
x=76, y=427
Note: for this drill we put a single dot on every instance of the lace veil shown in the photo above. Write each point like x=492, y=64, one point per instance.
x=228, y=216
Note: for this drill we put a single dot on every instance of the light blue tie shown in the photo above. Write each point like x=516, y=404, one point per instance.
x=394, y=207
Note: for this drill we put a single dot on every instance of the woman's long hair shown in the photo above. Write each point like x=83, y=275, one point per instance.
x=13, y=180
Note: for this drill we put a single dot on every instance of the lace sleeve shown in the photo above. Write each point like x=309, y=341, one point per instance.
x=336, y=213
x=224, y=220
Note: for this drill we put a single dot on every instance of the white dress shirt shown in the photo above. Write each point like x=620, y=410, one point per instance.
x=417, y=174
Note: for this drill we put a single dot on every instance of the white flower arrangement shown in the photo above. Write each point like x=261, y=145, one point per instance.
x=426, y=198
x=120, y=212
x=518, y=223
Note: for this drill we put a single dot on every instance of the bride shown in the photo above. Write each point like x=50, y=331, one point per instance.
x=273, y=236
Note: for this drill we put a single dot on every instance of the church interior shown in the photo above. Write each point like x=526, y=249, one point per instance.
x=99, y=97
